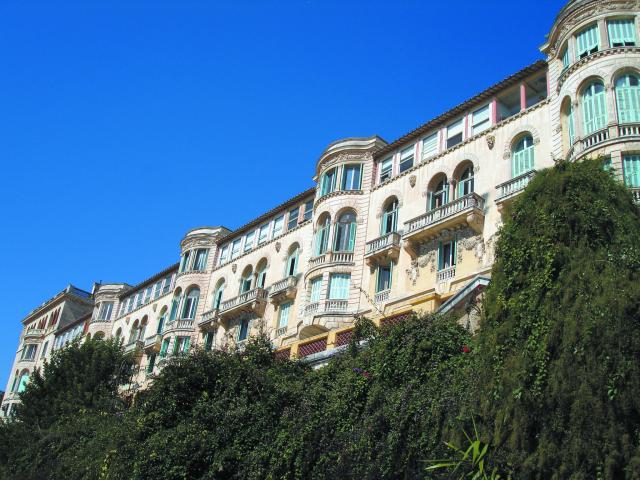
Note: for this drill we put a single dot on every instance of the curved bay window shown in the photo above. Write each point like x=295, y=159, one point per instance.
x=594, y=108
x=522, y=156
x=345, y=236
x=328, y=183
x=628, y=98
x=389, y=217
x=465, y=184
x=175, y=303
x=191, y=303
x=440, y=194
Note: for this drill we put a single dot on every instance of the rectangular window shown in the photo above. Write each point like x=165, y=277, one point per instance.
x=105, y=311
x=339, y=286
x=631, y=170
x=44, y=349
x=157, y=289
x=184, y=263
x=29, y=351
x=167, y=285
x=235, y=249
x=430, y=146
x=181, y=347
x=151, y=362
x=243, y=331
x=308, y=210
x=293, y=218
x=386, y=168
x=622, y=33
x=328, y=184
x=316, y=283
x=164, y=348
x=565, y=58
x=588, y=41
x=454, y=133
x=384, y=279
x=351, y=177
x=248, y=241
x=283, y=321
x=607, y=165
x=138, y=299
x=278, y=225
x=263, y=234
x=481, y=120
x=209, y=341
x=224, y=255
x=406, y=159
x=200, y=262
x=147, y=294
x=446, y=255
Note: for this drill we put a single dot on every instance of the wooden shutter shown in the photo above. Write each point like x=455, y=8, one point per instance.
x=631, y=164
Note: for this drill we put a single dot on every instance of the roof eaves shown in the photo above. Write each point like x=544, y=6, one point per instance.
x=149, y=280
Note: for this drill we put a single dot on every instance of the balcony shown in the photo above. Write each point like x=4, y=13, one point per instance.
x=508, y=190
x=152, y=343
x=614, y=133
x=209, y=319
x=329, y=259
x=29, y=359
x=34, y=333
x=464, y=211
x=446, y=274
x=182, y=325
x=382, y=248
x=251, y=301
x=133, y=346
x=327, y=307
x=636, y=194
x=382, y=297
x=283, y=290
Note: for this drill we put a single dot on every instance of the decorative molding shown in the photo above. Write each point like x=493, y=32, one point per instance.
x=234, y=267
x=517, y=133
x=412, y=180
x=278, y=246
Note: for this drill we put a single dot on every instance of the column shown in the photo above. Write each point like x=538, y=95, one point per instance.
x=523, y=96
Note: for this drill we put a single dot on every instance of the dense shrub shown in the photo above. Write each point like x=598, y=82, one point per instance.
x=559, y=375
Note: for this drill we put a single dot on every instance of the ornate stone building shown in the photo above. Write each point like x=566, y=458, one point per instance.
x=390, y=228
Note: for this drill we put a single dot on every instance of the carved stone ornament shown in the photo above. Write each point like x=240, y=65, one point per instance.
x=469, y=240
x=413, y=272
x=412, y=181
x=491, y=141
x=278, y=246
x=234, y=267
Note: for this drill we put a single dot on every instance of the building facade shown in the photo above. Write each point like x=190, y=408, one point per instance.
x=389, y=228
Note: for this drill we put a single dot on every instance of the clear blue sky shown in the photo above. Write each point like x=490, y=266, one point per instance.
x=125, y=123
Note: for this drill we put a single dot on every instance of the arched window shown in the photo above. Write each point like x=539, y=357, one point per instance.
x=322, y=235
x=217, y=296
x=389, y=217
x=522, y=157
x=175, y=303
x=628, y=98
x=191, y=303
x=594, y=108
x=133, y=334
x=143, y=328
x=466, y=183
x=15, y=381
x=246, y=280
x=345, y=238
x=292, y=261
x=440, y=194
x=261, y=273
x=162, y=319
x=24, y=379
x=571, y=129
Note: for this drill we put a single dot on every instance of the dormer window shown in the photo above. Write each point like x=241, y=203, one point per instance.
x=386, y=167
x=406, y=159
x=588, y=41
x=454, y=133
x=622, y=33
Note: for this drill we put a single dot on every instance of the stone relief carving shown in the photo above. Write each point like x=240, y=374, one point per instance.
x=234, y=267
x=468, y=240
x=278, y=246
x=491, y=141
x=412, y=181
x=189, y=243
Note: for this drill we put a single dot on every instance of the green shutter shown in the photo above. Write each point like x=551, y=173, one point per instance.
x=600, y=111
x=621, y=32
x=572, y=132
x=352, y=236
x=453, y=251
x=440, y=257
x=631, y=167
x=628, y=101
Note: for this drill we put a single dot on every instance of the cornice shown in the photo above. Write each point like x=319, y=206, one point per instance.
x=335, y=193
